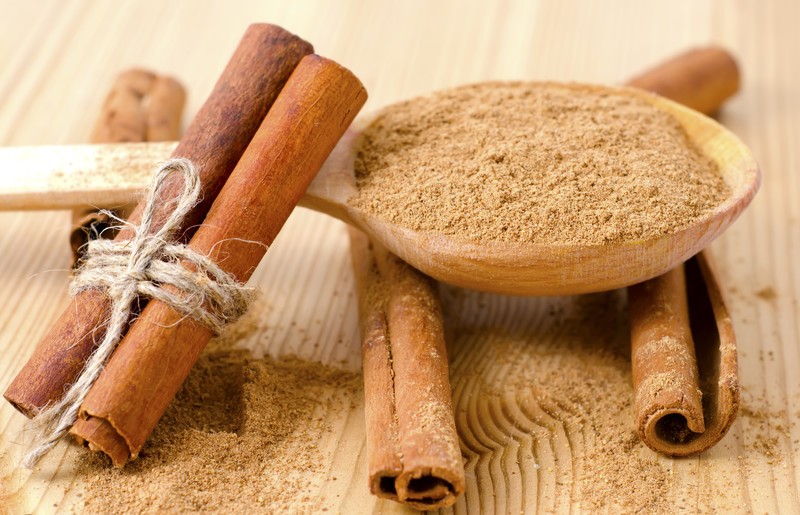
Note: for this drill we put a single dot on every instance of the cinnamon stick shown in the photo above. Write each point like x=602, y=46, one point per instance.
x=316, y=106
x=214, y=141
x=163, y=107
x=141, y=106
x=684, y=359
x=412, y=445
x=123, y=116
x=88, y=224
x=702, y=79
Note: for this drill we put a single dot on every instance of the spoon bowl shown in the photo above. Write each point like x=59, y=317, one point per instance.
x=541, y=269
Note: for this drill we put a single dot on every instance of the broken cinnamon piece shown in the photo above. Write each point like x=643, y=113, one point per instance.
x=141, y=106
x=163, y=108
x=412, y=445
x=123, y=117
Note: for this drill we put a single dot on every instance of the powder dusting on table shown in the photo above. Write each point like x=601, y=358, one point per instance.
x=543, y=392
x=560, y=371
x=240, y=435
x=534, y=162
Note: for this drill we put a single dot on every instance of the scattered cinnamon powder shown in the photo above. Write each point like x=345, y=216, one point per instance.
x=544, y=393
x=767, y=429
x=534, y=162
x=766, y=293
x=560, y=369
x=241, y=435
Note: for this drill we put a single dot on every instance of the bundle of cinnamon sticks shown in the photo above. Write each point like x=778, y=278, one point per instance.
x=275, y=114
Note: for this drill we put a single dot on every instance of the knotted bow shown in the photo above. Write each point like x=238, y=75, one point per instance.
x=152, y=266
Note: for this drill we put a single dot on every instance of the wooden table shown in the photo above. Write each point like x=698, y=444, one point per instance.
x=58, y=58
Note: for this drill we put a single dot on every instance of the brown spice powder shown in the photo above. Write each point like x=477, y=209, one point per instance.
x=560, y=364
x=240, y=435
x=542, y=163
x=554, y=371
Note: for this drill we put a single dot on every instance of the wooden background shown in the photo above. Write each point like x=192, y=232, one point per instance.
x=57, y=59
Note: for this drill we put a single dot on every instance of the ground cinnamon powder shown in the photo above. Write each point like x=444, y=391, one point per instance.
x=559, y=368
x=240, y=435
x=542, y=163
x=533, y=378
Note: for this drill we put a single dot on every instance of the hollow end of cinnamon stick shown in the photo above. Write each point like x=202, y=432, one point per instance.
x=382, y=483
x=27, y=410
x=682, y=418
x=89, y=224
x=412, y=445
x=99, y=435
x=429, y=488
x=423, y=489
x=668, y=430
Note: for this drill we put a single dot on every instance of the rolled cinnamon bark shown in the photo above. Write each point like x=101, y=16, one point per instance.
x=686, y=393
x=684, y=359
x=141, y=106
x=163, y=108
x=666, y=383
x=412, y=445
x=702, y=79
x=123, y=117
x=214, y=142
x=88, y=224
x=316, y=106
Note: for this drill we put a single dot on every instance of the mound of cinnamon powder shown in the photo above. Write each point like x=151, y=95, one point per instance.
x=534, y=162
x=241, y=436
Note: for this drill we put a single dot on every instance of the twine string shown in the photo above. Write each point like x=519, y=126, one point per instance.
x=141, y=267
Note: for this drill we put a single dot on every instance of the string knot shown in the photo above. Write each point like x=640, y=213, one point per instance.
x=148, y=265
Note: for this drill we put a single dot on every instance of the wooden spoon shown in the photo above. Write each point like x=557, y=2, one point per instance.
x=106, y=175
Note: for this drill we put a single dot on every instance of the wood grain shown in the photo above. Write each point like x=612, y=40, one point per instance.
x=522, y=452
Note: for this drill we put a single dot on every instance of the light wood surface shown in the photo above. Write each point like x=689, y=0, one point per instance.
x=57, y=59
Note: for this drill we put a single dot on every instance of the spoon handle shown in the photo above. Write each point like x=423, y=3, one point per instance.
x=335, y=183
x=70, y=176
x=112, y=174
